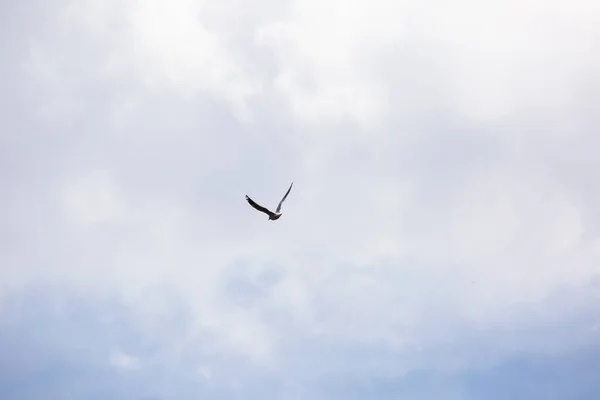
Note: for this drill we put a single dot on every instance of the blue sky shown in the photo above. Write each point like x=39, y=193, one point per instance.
x=441, y=240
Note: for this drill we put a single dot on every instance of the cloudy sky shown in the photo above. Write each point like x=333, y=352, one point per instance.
x=441, y=241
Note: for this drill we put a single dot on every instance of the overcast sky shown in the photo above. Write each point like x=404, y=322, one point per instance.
x=441, y=240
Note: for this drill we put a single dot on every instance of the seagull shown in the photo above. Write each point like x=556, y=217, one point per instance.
x=272, y=215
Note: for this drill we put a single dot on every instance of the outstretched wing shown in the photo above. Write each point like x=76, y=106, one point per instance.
x=282, y=200
x=259, y=207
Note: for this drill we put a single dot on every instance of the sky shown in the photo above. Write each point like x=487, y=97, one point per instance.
x=441, y=240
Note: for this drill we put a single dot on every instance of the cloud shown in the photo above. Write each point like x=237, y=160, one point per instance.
x=443, y=218
x=123, y=362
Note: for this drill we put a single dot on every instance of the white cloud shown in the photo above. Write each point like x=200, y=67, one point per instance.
x=163, y=47
x=124, y=362
x=93, y=199
x=205, y=372
x=424, y=141
x=318, y=47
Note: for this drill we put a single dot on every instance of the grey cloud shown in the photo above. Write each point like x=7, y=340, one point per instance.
x=60, y=344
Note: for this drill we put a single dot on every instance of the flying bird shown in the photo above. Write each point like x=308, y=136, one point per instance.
x=272, y=215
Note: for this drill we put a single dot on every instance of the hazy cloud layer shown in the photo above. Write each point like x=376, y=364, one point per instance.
x=441, y=235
